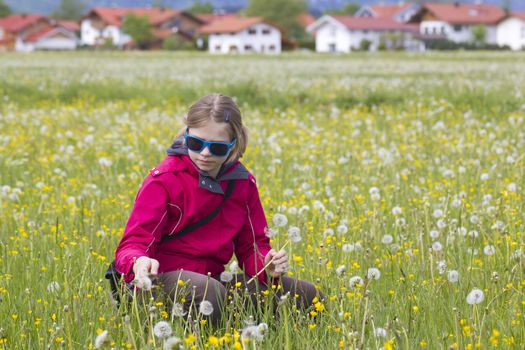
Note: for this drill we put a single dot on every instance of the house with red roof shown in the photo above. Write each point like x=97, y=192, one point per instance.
x=511, y=31
x=242, y=35
x=348, y=33
x=400, y=12
x=455, y=22
x=102, y=24
x=24, y=32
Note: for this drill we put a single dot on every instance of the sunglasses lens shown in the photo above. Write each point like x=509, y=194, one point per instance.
x=194, y=144
x=219, y=149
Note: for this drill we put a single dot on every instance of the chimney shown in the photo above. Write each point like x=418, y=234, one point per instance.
x=456, y=4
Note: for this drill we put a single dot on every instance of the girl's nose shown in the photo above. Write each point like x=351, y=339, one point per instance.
x=206, y=151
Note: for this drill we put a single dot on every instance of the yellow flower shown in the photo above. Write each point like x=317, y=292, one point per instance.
x=214, y=341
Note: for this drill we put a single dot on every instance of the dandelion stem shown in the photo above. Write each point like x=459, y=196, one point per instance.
x=265, y=266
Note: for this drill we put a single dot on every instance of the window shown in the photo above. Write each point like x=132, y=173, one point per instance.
x=271, y=47
x=458, y=28
x=427, y=31
x=434, y=30
x=333, y=30
x=523, y=32
x=266, y=31
x=331, y=47
x=248, y=48
x=252, y=31
x=443, y=30
x=217, y=48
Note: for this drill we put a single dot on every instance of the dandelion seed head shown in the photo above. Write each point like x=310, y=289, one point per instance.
x=102, y=340
x=162, y=329
x=294, y=234
x=53, y=287
x=452, y=276
x=172, y=343
x=280, y=220
x=206, y=308
x=356, y=281
x=177, y=310
x=226, y=276
x=373, y=273
x=476, y=296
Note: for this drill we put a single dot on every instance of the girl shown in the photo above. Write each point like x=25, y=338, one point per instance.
x=197, y=208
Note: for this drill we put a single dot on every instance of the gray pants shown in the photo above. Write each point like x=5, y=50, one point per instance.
x=195, y=287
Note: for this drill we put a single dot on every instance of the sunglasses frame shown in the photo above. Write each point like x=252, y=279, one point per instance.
x=208, y=144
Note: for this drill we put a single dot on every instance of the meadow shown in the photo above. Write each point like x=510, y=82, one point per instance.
x=400, y=176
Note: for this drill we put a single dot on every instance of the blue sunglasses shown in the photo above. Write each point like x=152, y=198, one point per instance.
x=196, y=144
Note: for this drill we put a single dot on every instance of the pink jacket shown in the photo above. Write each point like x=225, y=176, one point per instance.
x=176, y=194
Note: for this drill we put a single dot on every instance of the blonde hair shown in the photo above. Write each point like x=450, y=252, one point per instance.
x=222, y=109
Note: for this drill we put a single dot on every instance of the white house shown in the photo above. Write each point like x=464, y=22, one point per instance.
x=103, y=24
x=21, y=32
x=511, y=31
x=455, y=22
x=347, y=33
x=242, y=34
x=57, y=38
x=400, y=12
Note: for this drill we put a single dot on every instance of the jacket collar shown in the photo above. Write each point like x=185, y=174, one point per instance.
x=232, y=170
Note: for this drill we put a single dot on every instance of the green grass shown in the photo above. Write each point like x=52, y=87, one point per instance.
x=424, y=129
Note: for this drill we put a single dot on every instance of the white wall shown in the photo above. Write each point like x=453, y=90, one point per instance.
x=88, y=34
x=460, y=33
x=56, y=44
x=259, y=42
x=92, y=36
x=511, y=32
x=332, y=37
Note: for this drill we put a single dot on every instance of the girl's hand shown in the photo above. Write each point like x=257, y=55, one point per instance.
x=279, y=262
x=145, y=267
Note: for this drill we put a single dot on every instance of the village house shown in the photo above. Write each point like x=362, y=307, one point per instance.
x=104, y=24
x=242, y=34
x=455, y=22
x=511, y=31
x=348, y=33
x=400, y=12
x=21, y=32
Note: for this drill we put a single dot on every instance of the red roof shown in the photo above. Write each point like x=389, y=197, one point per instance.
x=305, y=19
x=390, y=10
x=520, y=15
x=71, y=25
x=17, y=23
x=207, y=18
x=466, y=13
x=230, y=24
x=48, y=32
x=374, y=23
x=115, y=15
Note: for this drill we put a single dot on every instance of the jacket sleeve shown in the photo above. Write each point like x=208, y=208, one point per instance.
x=147, y=218
x=251, y=243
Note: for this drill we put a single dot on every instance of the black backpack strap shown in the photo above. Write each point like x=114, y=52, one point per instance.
x=189, y=228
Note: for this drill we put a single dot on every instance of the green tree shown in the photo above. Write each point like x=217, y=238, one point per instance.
x=200, y=7
x=479, y=33
x=282, y=13
x=69, y=9
x=139, y=28
x=348, y=9
x=4, y=9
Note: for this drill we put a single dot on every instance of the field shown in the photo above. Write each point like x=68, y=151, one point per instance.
x=404, y=174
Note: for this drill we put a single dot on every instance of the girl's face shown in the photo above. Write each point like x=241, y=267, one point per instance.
x=205, y=160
